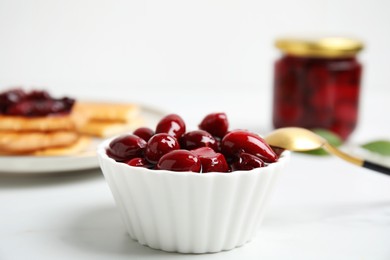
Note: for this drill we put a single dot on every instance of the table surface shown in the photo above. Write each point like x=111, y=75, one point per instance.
x=322, y=208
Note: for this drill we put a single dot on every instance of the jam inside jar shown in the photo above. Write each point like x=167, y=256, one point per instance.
x=317, y=83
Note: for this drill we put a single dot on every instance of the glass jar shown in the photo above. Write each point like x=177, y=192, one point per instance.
x=316, y=84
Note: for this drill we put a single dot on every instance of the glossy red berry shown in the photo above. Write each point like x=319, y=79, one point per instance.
x=196, y=139
x=238, y=141
x=216, y=124
x=139, y=162
x=210, y=160
x=126, y=147
x=179, y=160
x=247, y=162
x=159, y=145
x=171, y=124
x=144, y=132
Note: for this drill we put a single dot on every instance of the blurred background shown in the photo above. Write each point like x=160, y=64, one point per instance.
x=177, y=54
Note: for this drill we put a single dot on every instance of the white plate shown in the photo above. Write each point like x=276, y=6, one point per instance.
x=83, y=161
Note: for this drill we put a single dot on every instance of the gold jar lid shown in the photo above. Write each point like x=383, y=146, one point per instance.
x=327, y=47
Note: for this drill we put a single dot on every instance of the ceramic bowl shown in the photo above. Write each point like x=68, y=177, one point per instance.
x=190, y=212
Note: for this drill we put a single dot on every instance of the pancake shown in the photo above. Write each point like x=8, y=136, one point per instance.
x=52, y=123
x=117, y=112
x=65, y=134
x=105, y=129
x=77, y=147
x=26, y=142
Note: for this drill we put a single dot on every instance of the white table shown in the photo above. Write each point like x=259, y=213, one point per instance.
x=323, y=208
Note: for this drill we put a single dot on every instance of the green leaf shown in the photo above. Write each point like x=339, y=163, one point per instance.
x=331, y=137
x=381, y=147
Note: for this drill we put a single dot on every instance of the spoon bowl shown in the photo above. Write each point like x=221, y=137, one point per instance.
x=295, y=139
x=300, y=139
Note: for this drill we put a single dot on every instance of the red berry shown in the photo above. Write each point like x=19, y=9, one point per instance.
x=238, y=141
x=179, y=160
x=139, y=162
x=159, y=145
x=171, y=124
x=277, y=150
x=144, y=132
x=211, y=161
x=126, y=147
x=216, y=124
x=247, y=162
x=198, y=138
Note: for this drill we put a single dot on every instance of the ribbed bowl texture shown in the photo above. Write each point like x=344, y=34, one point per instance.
x=190, y=212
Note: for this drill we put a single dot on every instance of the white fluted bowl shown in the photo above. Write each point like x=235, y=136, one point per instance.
x=189, y=212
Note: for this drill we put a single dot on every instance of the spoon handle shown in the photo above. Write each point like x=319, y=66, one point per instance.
x=359, y=162
x=376, y=167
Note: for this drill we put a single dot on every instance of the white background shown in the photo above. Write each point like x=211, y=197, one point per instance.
x=136, y=49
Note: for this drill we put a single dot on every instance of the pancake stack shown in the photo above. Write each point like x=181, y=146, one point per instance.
x=35, y=123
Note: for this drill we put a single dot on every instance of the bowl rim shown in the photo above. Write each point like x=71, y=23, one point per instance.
x=101, y=152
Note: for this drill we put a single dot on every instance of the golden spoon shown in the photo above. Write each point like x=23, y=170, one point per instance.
x=301, y=139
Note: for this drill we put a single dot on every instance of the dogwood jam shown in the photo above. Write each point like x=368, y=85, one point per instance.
x=317, y=83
